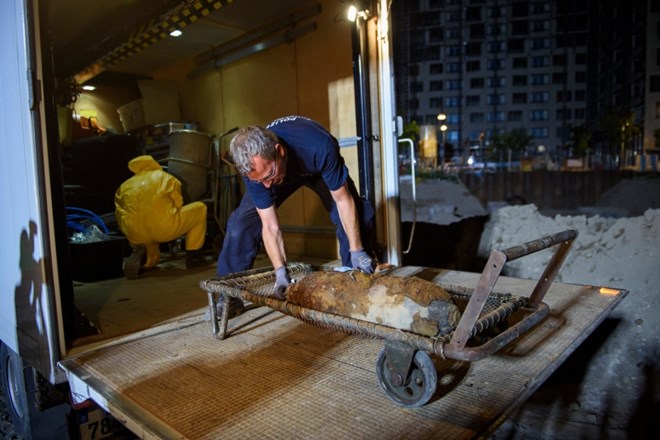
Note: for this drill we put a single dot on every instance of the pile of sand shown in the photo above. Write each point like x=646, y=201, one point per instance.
x=614, y=252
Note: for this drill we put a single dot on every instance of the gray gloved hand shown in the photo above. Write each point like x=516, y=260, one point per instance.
x=362, y=261
x=282, y=281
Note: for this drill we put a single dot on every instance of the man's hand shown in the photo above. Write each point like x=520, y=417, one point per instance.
x=362, y=261
x=282, y=281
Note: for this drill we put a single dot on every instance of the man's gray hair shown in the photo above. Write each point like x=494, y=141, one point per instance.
x=249, y=142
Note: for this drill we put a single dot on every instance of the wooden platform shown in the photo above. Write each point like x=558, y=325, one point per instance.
x=276, y=377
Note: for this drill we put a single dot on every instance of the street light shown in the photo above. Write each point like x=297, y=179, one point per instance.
x=443, y=128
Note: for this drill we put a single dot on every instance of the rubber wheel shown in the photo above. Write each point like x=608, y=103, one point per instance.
x=13, y=386
x=418, y=388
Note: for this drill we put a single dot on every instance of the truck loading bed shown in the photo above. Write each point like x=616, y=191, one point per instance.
x=277, y=377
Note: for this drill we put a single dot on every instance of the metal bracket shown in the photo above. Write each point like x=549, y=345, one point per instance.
x=399, y=359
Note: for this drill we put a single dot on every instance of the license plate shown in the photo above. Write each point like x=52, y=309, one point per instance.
x=97, y=424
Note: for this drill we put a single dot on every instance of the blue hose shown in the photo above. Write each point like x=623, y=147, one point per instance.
x=83, y=214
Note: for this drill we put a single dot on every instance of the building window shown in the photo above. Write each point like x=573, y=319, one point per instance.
x=498, y=81
x=476, y=83
x=473, y=66
x=539, y=79
x=453, y=67
x=580, y=95
x=580, y=77
x=539, y=97
x=476, y=117
x=519, y=80
x=559, y=60
x=452, y=119
x=435, y=102
x=516, y=45
x=657, y=110
x=435, y=35
x=539, y=115
x=515, y=116
x=434, y=86
x=520, y=62
x=453, y=101
x=413, y=104
x=473, y=49
x=540, y=61
x=453, y=17
x=497, y=46
x=495, y=99
x=472, y=100
x=540, y=8
x=540, y=25
x=495, y=117
x=558, y=78
x=477, y=31
x=453, y=51
x=520, y=98
x=540, y=43
x=519, y=9
x=539, y=132
x=436, y=68
x=654, y=83
x=416, y=86
x=453, y=84
x=580, y=58
x=494, y=30
x=520, y=27
x=495, y=12
x=563, y=114
x=580, y=113
x=494, y=64
x=564, y=96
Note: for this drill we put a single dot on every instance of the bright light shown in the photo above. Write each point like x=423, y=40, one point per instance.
x=352, y=13
x=470, y=160
x=176, y=33
x=442, y=117
x=608, y=291
x=443, y=127
x=88, y=88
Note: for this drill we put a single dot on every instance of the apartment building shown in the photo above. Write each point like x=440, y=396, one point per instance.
x=544, y=66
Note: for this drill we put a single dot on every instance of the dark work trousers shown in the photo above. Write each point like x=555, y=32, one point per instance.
x=243, y=233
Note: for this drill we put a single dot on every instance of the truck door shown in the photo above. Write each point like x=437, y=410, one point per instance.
x=28, y=309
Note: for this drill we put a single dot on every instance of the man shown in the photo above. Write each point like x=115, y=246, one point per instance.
x=150, y=210
x=276, y=161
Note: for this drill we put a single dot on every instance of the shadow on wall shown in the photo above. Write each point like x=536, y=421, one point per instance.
x=451, y=246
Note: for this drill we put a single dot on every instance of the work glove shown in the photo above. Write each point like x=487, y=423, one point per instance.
x=362, y=261
x=282, y=281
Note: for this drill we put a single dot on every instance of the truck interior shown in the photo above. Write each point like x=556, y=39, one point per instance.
x=235, y=63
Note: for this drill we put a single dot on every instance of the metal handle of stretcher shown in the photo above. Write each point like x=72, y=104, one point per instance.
x=456, y=348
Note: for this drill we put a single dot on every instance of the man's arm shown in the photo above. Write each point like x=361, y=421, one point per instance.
x=348, y=216
x=351, y=223
x=272, y=236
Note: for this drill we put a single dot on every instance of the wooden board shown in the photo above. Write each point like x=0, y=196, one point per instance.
x=276, y=377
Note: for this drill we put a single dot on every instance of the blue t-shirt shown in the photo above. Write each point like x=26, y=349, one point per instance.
x=311, y=152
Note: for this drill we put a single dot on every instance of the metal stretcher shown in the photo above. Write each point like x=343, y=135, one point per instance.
x=405, y=370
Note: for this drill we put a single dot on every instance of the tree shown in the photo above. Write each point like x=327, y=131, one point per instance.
x=517, y=140
x=581, y=138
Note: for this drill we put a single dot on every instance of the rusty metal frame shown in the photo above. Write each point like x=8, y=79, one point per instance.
x=453, y=345
x=456, y=349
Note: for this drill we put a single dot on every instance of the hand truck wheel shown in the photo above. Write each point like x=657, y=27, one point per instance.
x=417, y=388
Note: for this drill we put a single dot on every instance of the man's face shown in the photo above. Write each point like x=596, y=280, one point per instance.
x=268, y=172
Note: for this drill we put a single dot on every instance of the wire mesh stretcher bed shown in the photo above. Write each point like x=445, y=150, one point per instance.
x=405, y=370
